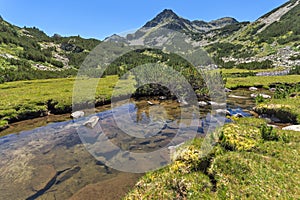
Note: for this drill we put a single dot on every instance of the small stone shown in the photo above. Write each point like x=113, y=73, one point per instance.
x=253, y=89
x=202, y=103
x=77, y=114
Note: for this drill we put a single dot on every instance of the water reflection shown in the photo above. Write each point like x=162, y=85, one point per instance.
x=51, y=162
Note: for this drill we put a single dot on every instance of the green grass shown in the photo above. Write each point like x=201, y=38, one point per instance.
x=260, y=81
x=287, y=109
x=236, y=70
x=22, y=98
x=263, y=169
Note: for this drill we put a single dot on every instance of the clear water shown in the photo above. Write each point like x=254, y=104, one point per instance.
x=50, y=162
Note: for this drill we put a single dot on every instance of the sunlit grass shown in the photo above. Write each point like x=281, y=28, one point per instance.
x=264, y=169
x=21, y=97
x=261, y=81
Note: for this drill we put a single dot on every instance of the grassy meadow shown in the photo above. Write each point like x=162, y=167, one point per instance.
x=260, y=81
x=249, y=161
x=21, y=99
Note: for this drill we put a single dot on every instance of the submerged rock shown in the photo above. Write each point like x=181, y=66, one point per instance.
x=183, y=102
x=92, y=122
x=150, y=103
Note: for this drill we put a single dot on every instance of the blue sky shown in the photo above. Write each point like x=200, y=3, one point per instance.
x=99, y=19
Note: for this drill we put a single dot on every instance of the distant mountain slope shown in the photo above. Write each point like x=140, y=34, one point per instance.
x=274, y=36
x=197, y=29
x=28, y=53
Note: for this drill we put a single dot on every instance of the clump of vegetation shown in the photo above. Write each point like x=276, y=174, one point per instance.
x=261, y=81
x=268, y=134
x=239, y=138
x=267, y=64
x=295, y=70
x=249, y=166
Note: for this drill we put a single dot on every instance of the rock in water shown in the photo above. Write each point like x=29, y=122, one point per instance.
x=202, y=103
x=223, y=112
x=183, y=102
x=217, y=104
x=77, y=114
x=265, y=96
x=150, y=103
x=238, y=97
x=238, y=115
x=227, y=90
x=292, y=128
x=253, y=89
x=91, y=123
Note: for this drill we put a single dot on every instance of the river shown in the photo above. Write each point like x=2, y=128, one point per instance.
x=44, y=158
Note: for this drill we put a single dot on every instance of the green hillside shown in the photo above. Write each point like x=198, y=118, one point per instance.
x=28, y=53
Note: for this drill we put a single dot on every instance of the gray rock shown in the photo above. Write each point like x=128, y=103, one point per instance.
x=292, y=128
x=227, y=90
x=239, y=115
x=217, y=104
x=202, y=103
x=150, y=103
x=77, y=114
x=265, y=96
x=222, y=112
x=238, y=97
x=253, y=89
x=91, y=123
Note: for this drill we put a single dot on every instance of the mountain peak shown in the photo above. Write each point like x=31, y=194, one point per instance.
x=223, y=21
x=168, y=13
x=165, y=15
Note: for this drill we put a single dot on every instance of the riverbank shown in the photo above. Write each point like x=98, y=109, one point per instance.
x=32, y=99
x=23, y=100
x=249, y=160
x=260, y=81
